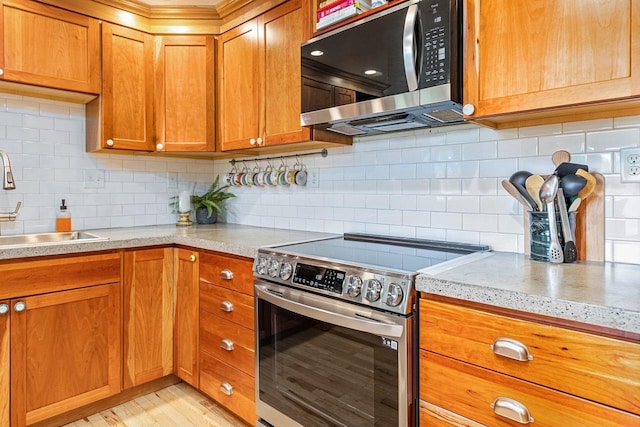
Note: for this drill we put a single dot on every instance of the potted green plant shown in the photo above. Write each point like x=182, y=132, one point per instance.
x=208, y=205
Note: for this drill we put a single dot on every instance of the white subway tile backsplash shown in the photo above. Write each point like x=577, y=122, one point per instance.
x=523, y=147
x=612, y=140
x=480, y=151
x=573, y=143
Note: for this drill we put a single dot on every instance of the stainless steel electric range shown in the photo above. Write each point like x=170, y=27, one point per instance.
x=335, y=329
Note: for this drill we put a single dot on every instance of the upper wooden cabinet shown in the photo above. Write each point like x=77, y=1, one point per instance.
x=122, y=118
x=45, y=46
x=184, y=93
x=525, y=60
x=259, y=81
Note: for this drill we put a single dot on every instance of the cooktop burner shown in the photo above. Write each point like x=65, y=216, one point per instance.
x=372, y=270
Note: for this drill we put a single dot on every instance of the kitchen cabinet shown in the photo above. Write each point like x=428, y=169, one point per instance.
x=122, y=117
x=148, y=315
x=45, y=46
x=528, y=63
x=184, y=93
x=60, y=335
x=494, y=368
x=227, y=342
x=259, y=82
x=187, y=267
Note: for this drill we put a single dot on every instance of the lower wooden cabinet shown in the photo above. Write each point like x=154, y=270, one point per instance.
x=148, y=315
x=5, y=330
x=487, y=368
x=186, y=265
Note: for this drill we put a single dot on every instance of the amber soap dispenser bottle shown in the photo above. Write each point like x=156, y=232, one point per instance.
x=63, y=218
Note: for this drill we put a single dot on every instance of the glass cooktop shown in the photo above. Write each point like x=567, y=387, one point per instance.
x=406, y=254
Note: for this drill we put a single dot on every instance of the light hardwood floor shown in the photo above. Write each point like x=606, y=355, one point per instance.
x=178, y=405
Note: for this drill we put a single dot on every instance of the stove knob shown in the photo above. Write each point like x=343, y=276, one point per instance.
x=273, y=269
x=394, y=295
x=261, y=266
x=286, y=270
x=373, y=290
x=354, y=286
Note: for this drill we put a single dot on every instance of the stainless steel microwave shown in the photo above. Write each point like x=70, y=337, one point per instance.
x=398, y=69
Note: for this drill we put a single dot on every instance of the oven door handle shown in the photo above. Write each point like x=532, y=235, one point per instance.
x=321, y=309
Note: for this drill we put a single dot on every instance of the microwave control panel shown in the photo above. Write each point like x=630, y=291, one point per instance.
x=436, y=40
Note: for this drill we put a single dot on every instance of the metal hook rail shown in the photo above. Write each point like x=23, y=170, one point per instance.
x=323, y=153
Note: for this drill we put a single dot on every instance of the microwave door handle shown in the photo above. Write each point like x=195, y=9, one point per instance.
x=351, y=322
x=408, y=47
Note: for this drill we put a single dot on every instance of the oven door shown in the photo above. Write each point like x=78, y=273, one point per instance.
x=323, y=362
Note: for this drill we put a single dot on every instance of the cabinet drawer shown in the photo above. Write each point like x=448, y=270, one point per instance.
x=23, y=278
x=435, y=416
x=228, y=272
x=228, y=342
x=214, y=375
x=586, y=365
x=227, y=304
x=470, y=391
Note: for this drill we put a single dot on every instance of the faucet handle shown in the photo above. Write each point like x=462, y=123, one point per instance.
x=18, y=206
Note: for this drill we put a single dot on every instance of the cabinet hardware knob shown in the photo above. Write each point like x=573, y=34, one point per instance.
x=226, y=388
x=507, y=347
x=259, y=141
x=192, y=258
x=227, y=344
x=512, y=409
x=19, y=306
x=159, y=147
x=252, y=141
x=1, y=72
x=4, y=309
x=226, y=306
x=468, y=109
x=110, y=142
x=226, y=274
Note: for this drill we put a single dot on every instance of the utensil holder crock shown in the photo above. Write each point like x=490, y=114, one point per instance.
x=540, y=236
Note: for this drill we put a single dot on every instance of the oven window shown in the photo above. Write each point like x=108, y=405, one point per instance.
x=321, y=374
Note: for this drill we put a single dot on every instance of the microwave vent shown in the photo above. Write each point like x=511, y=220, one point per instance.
x=444, y=116
x=345, y=129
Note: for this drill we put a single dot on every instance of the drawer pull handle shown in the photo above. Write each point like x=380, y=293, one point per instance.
x=227, y=344
x=512, y=349
x=226, y=274
x=226, y=306
x=512, y=409
x=4, y=308
x=226, y=388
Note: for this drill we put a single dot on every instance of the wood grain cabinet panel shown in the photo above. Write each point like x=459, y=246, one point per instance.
x=530, y=57
x=65, y=351
x=582, y=364
x=184, y=93
x=122, y=118
x=5, y=330
x=226, y=304
x=235, y=273
x=148, y=315
x=228, y=342
x=45, y=46
x=186, y=265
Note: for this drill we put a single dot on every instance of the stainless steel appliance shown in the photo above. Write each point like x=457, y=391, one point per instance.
x=397, y=69
x=335, y=329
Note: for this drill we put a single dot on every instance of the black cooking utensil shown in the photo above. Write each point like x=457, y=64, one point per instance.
x=565, y=169
x=572, y=184
x=520, y=177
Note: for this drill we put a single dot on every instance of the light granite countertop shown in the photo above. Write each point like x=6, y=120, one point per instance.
x=234, y=239
x=602, y=294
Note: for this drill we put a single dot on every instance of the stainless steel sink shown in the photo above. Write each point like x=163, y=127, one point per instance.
x=25, y=240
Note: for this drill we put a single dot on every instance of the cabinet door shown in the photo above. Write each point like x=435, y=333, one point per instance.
x=239, y=83
x=65, y=351
x=127, y=89
x=51, y=47
x=281, y=32
x=5, y=326
x=185, y=98
x=186, y=316
x=531, y=56
x=148, y=315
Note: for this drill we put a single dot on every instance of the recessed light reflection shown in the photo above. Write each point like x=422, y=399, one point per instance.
x=316, y=53
x=370, y=72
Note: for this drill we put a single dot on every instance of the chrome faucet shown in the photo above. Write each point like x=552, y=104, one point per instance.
x=7, y=175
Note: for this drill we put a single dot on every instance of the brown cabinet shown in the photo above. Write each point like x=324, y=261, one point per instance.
x=523, y=62
x=148, y=315
x=60, y=335
x=45, y=46
x=509, y=367
x=227, y=342
x=184, y=93
x=122, y=118
x=186, y=265
x=259, y=82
